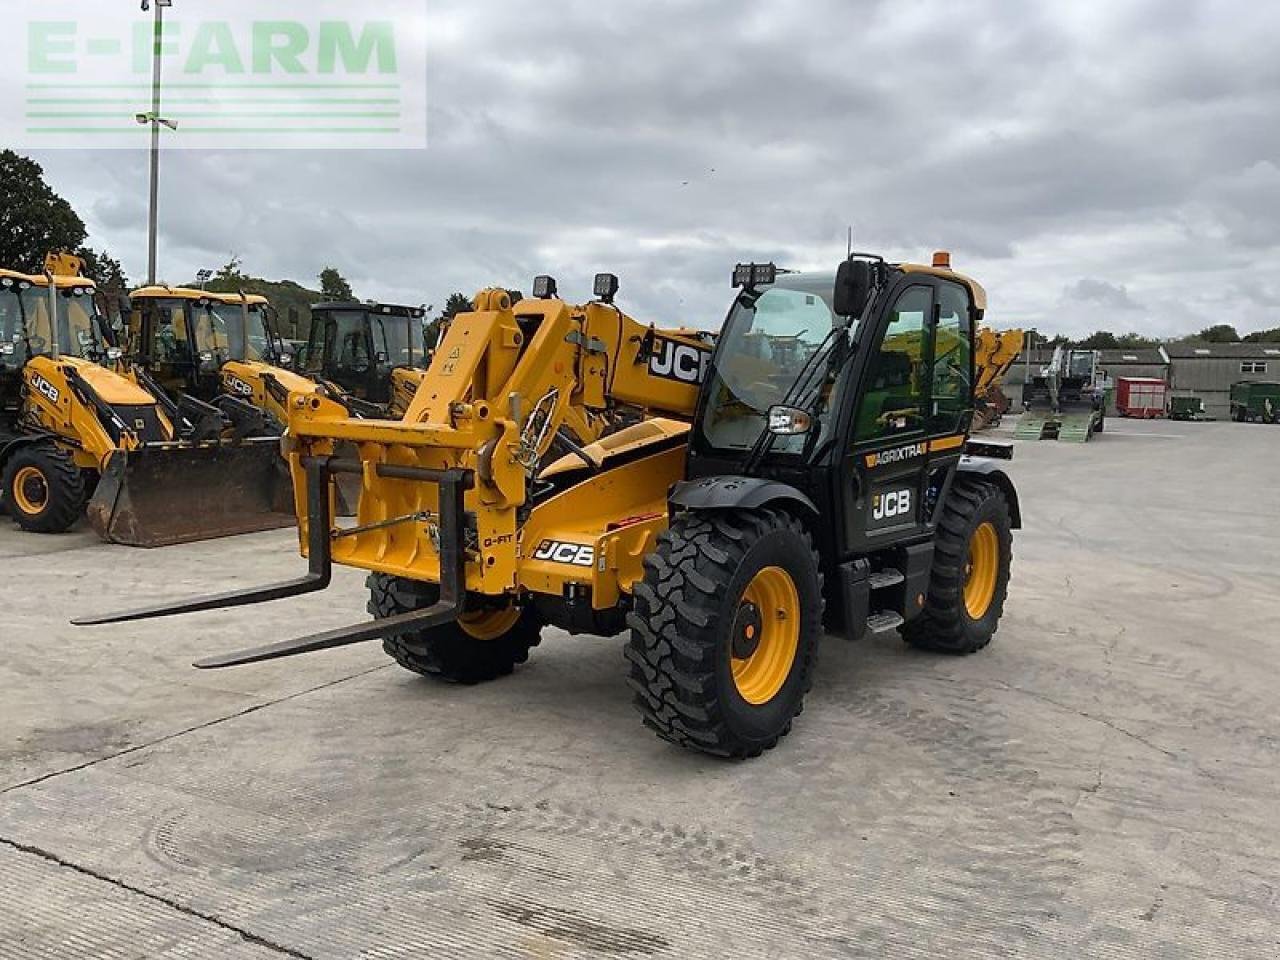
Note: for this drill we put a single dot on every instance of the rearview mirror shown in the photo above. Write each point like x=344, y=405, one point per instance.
x=853, y=287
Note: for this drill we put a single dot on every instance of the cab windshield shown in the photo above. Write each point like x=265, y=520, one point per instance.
x=393, y=341
x=77, y=327
x=770, y=338
x=227, y=320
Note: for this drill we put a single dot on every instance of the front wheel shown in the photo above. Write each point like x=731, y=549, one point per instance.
x=725, y=630
x=972, y=552
x=482, y=644
x=44, y=488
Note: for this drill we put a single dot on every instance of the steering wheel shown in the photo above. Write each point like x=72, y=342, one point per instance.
x=38, y=344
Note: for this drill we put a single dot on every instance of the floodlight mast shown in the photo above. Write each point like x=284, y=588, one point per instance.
x=155, y=120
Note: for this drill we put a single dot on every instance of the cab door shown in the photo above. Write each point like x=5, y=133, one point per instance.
x=911, y=405
x=885, y=458
x=164, y=344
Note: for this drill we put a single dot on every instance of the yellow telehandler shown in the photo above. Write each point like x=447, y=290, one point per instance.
x=78, y=437
x=812, y=465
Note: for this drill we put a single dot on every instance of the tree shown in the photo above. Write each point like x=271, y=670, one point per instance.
x=1264, y=336
x=33, y=219
x=1099, y=340
x=103, y=269
x=1135, y=341
x=1218, y=333
x=334, y=287
x=456, y=304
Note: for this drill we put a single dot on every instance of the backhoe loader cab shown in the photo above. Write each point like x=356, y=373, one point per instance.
x=812, y=467
x=362, y=346
x=184, y=337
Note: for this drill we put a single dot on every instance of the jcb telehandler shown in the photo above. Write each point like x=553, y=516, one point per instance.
x=71, y=427
x=816, y=457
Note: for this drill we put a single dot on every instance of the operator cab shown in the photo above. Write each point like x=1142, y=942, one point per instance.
x=853, y=387
x=357, y=345
x=184, y=337
x=25, y=329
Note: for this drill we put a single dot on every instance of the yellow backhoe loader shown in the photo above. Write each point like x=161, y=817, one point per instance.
x=812, y=466
x=218, y=349
x=69, y=426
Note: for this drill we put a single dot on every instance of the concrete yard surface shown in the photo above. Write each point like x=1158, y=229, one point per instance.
x=1103, y=781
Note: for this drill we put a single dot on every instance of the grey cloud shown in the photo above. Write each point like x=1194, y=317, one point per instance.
x=1091, y=290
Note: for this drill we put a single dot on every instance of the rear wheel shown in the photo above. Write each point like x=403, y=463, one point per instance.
x=482, y=644
x=972, y=553
x=44, y=488
x=725, y=630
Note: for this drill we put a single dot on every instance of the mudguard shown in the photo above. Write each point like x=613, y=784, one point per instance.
x=164, y=494
x=991, y=470
x=729, y=492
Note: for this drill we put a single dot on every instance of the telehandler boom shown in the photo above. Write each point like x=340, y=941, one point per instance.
x=815, y=461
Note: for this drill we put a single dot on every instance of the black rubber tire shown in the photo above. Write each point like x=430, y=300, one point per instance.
x=679, y=648
x=63, y=480
x=1102, y=422
x=448, y=652
x=945, y=625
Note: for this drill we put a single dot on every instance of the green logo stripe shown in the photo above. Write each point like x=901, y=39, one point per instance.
x=113, y=131
x=223, y=115
x=222, y=85
x=291, y=101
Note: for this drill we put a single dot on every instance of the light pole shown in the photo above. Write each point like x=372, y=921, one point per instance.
x=155, y=120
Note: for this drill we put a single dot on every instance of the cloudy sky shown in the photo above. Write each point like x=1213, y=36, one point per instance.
x=1112, y=164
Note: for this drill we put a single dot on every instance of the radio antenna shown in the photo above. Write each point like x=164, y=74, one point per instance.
x=849, y=252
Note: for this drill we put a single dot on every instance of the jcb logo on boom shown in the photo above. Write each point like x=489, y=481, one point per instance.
x=887, y=506
x=678, y=361
x=45, y=388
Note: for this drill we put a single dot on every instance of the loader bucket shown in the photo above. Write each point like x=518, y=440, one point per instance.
x=164, y=494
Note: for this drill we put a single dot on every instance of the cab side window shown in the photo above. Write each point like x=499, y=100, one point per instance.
x=952, y=360
x=897, y=381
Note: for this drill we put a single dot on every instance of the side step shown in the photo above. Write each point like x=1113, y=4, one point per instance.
x=885, y=578
x=884, y=621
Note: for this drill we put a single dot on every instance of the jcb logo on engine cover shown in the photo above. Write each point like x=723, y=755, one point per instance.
x=890, y=506
x=236, y=385
x=576, y=554
x=677, y=361
x=45, y=388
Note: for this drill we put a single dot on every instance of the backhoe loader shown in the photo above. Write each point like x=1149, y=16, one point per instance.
x=811, y=467
x=69, y=426
x=218, y=348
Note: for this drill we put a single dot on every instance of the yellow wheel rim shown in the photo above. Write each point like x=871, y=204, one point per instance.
x=30, y=490
x=766, y=635
x=489, y=624
x=982, y=570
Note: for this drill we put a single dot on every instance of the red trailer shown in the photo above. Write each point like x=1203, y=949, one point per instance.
x=1140, y=397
